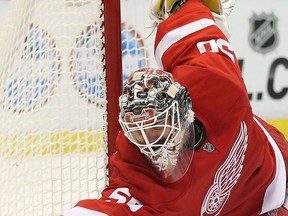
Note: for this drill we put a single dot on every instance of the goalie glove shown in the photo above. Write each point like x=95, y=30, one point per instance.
x=162, y=9
x=221, y=9
x=228, y=6
x=157, y=10
x=221, y=19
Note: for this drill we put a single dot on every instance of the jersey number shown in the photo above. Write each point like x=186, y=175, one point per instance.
x=219, y=45
x=122, y=195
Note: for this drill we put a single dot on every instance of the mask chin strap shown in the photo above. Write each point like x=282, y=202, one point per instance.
x=200, y=134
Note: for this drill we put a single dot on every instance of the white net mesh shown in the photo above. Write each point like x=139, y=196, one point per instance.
x=53, y=106
x=137, y=47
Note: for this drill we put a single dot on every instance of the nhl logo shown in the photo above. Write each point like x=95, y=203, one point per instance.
x=263, y=35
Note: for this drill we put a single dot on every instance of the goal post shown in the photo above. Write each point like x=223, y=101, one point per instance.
x=60, y=79
x=113, y=56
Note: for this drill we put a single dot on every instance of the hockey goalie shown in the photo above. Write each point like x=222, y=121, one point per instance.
x=190, y=144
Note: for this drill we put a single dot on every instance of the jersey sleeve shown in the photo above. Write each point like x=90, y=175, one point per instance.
x=109, y=207
x=127, y=193
x=219, y=98
x=190, y=45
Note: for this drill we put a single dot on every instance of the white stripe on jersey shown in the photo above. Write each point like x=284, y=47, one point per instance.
x=177, y=34
x=79, y=211
x=275, y=193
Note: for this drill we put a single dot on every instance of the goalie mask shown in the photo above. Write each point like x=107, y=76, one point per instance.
x=156, y=115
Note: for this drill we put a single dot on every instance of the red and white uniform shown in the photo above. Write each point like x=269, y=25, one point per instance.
x=245, y=173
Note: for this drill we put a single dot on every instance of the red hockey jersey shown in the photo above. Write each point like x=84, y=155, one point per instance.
x=238, y=171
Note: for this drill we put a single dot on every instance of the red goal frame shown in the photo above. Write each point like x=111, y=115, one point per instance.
x=113, y=58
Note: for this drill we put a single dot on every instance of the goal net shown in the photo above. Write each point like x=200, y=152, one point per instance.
x=53, y=105
x=137, y=36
